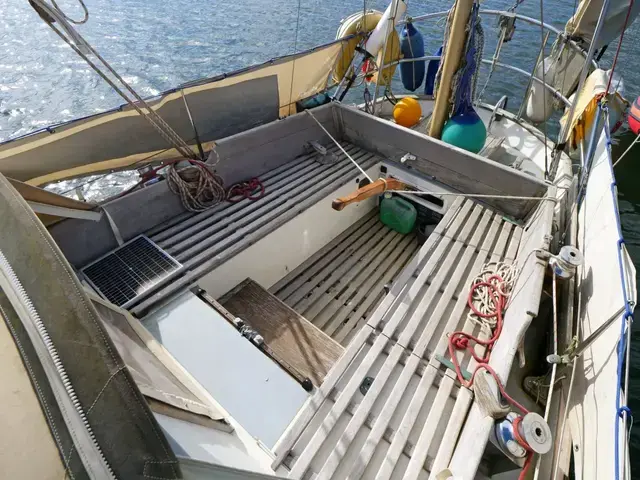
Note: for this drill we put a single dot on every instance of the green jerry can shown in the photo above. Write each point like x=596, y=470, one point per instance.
x=397, y=213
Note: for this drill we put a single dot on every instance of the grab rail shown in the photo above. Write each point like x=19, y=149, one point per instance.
x=556, y=93
x=498, y=13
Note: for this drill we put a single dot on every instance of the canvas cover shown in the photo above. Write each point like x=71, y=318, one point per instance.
x=122, y=424
x=220, y=107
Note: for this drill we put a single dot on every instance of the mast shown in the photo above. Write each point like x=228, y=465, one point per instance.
x=455, y=50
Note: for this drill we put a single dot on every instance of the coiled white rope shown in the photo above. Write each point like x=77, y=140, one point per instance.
x=482, y=294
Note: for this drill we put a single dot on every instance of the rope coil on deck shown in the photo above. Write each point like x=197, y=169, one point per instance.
x=487, y=299
x=196, y=185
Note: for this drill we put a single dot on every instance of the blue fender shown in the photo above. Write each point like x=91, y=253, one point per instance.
x=432, y=69
x=412, y=46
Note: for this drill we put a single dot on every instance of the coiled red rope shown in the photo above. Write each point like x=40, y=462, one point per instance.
x=460, y=340
x=251, y=190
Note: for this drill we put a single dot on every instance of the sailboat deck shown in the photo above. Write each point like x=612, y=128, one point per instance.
x=203, y=241
x=390, y=407
x=343, y=283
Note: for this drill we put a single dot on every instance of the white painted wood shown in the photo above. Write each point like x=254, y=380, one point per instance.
x=272, y=257
x=454, y=426
x=408, y=421
x=523, y=306
x=390, y=303
x=428, y=430
x=226, y=364
x=361, y=414
x=212, y=446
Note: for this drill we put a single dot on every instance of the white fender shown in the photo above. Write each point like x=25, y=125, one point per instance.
x=539, y=104
x=379, y=34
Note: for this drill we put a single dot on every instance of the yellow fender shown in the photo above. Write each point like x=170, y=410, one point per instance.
x=359, y=23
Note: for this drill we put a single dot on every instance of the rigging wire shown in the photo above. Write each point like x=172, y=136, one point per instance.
x=196, y=184
x=615, y=58
x=154, y=119
x=295, y=51
x=339, y=146
x=554, y=367
x=69, y=19
x=544, y=90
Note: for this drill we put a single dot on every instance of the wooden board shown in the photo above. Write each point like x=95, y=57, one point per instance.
x=291, y=337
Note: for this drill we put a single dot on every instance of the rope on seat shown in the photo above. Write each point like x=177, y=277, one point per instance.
x=196, y=185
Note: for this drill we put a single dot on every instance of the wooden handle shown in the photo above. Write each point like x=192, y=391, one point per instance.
x=374, y=188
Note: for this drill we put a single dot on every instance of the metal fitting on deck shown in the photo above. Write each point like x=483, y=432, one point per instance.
x=533, y=434
x=564, y=264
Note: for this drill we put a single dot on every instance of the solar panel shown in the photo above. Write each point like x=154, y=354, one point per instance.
x=123, y=274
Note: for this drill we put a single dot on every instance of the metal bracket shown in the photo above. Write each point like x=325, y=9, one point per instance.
x=500, y=104
x=576, y=349
x=325, y=157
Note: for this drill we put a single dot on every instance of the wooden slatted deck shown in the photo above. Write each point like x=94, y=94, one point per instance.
x=407, y=423
x=205, y=240
x=342, y=284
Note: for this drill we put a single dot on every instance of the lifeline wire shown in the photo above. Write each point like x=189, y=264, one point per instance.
x=339, y=146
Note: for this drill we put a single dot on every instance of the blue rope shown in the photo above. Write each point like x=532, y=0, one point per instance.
x=463, y=102
x=628, y=313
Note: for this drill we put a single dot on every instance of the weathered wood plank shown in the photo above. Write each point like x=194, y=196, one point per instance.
x=522, y=308
x=381, y=423
x=393, y=298
x=215, y=256
x=453, y=285
x=323, y=271
x=408, y=421
x=385, y=241
x=346, y=395
x=361, y=413
x=278, y=288
x=290, y=336
x=209, y=245
x=458, y=241
x=429, y=429
x=374, y=283
x=450, y=437
x=186, y=241
x=269, y=180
